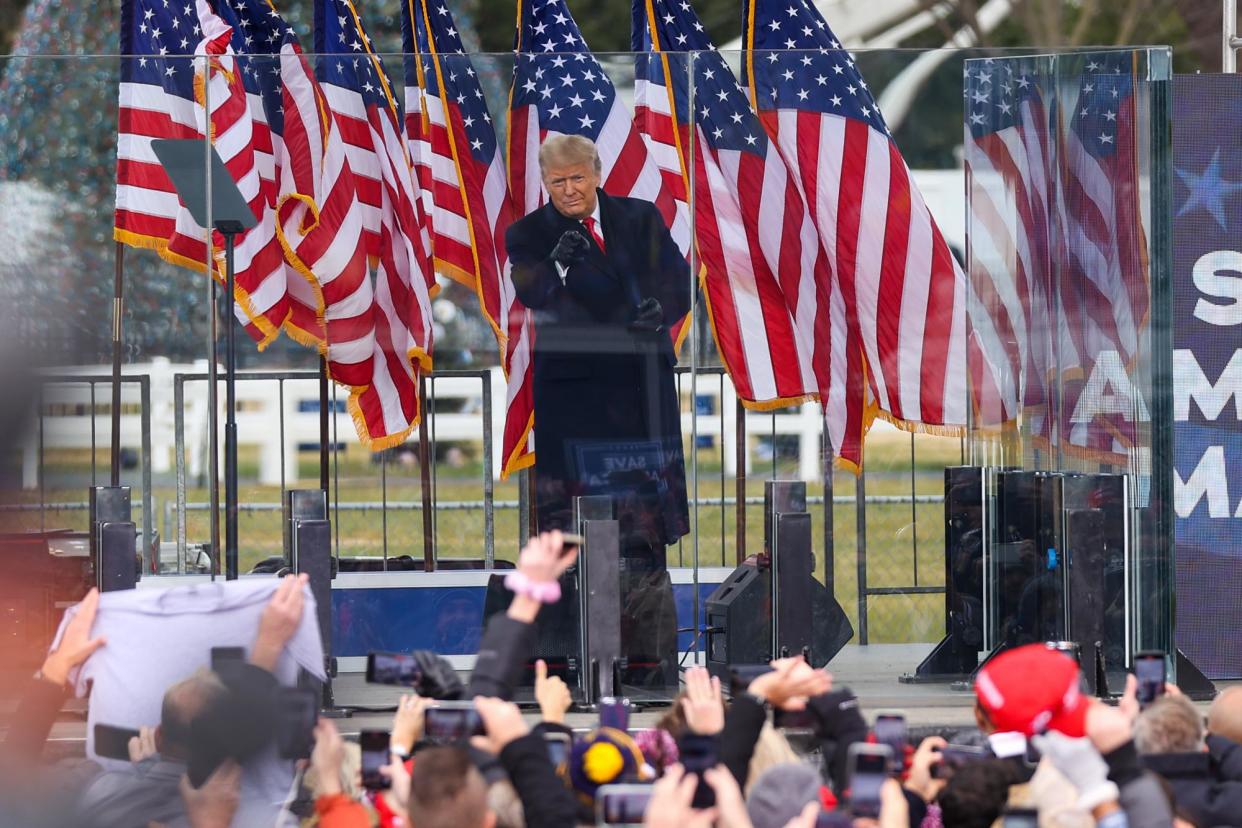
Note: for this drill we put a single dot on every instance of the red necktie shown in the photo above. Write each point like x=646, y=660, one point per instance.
x=593, y=226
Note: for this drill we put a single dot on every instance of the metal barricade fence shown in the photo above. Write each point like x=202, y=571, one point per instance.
x=296, y=424
x=75, y=425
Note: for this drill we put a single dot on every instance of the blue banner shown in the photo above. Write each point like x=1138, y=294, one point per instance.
x=1207, y=368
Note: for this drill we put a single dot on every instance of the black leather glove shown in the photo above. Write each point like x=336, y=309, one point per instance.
x=648, y=316
x=570, y=248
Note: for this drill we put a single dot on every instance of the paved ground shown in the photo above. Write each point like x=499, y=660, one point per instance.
x=872, y=672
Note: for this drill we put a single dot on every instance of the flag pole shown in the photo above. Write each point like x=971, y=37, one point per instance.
x=118, y=308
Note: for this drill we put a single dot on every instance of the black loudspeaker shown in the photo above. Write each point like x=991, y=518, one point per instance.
x=1086, y=554
x=108, y=504
x=558, y=641
x=738, y=615
x=792, y=576
x=1028, y=567
x=300, y=504
x=957, y=654
x=116, y=566
x=311, y=552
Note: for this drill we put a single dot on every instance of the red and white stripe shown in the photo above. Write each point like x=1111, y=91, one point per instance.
x=755, y=240
x=1011, y=289
x=903, y=293
x=386, y=409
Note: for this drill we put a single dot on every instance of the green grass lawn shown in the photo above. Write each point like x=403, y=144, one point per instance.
x=904, y=545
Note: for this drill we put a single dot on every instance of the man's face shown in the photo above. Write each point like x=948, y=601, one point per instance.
x=572, y=189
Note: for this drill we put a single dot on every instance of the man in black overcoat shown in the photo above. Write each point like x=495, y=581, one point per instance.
x=605, y=283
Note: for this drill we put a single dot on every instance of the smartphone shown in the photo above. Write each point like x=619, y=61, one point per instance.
x=221, y=656
x=953, y=757
x=794, y=719
x=375, y=755
x=450, y=722
x=558, y=745
x=697, y=757
x=112, y=742
x=621, y=804
x=890, y=729
x=392, y=668
x=571, y=539
x=1149, y=669
x=834, y=819
x=614, y=712
x=1020, y=818
x=297, y=711
x=868, y=768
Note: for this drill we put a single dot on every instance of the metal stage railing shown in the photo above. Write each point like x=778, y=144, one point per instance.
x=722, y=426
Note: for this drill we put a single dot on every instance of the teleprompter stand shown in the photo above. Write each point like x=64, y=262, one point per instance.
x=207, y=190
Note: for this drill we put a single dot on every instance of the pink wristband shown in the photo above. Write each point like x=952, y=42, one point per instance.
x=547, y=592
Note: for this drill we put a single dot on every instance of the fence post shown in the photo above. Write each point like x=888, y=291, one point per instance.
x=860, y=536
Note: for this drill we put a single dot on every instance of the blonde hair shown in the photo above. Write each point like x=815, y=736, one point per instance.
x=562, y=150
x=351, y=766
x=772, y=748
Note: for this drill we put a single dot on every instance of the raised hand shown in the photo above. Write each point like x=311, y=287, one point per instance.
x=570, y=248
x=702, y=703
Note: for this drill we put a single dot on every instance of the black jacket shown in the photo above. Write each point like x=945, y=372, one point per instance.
x=607, y=419
x=1197, y=789
x=545, y=799
x=503, y=652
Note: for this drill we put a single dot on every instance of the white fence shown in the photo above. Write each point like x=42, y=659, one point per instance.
x=279, y=417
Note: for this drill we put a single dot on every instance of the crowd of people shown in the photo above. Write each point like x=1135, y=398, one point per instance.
x=1043, y=753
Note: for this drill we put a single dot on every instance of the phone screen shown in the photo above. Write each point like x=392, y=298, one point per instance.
x=697, y=757
x=868, y=774
x=614, y=712
x=558, y=747
x=1149, y=671
x=445, y=725
x=622, y=804
x=375, y=755
x=113, y=742
x=1020, y=818
x=221, y=656
x=392, y=668
x=890, y=729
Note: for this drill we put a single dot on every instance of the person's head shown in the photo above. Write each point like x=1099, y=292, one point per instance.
x=1170, y=725
x=503, y=799
x=976, y=794
x=1031, y=689
x=1225, y=715
x=447, y=791
x=570, y=168
x=183, y=702
x=781, y=792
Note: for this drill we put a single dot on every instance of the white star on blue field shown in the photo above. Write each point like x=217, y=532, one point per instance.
x=1207, y=190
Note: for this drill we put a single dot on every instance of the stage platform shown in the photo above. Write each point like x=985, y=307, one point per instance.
x=871, y=671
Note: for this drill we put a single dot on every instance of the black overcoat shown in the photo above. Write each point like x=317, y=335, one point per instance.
x=607, y=419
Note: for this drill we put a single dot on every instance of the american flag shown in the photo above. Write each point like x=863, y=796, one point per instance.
x=903, y=293
x=158, y=99
x=1010, y=187
x=1104, y=287
x=559, y=87
x=764, y=273
x=392, y=323
x=461, y=168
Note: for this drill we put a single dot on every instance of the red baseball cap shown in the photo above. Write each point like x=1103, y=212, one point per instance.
x=1031, y=689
